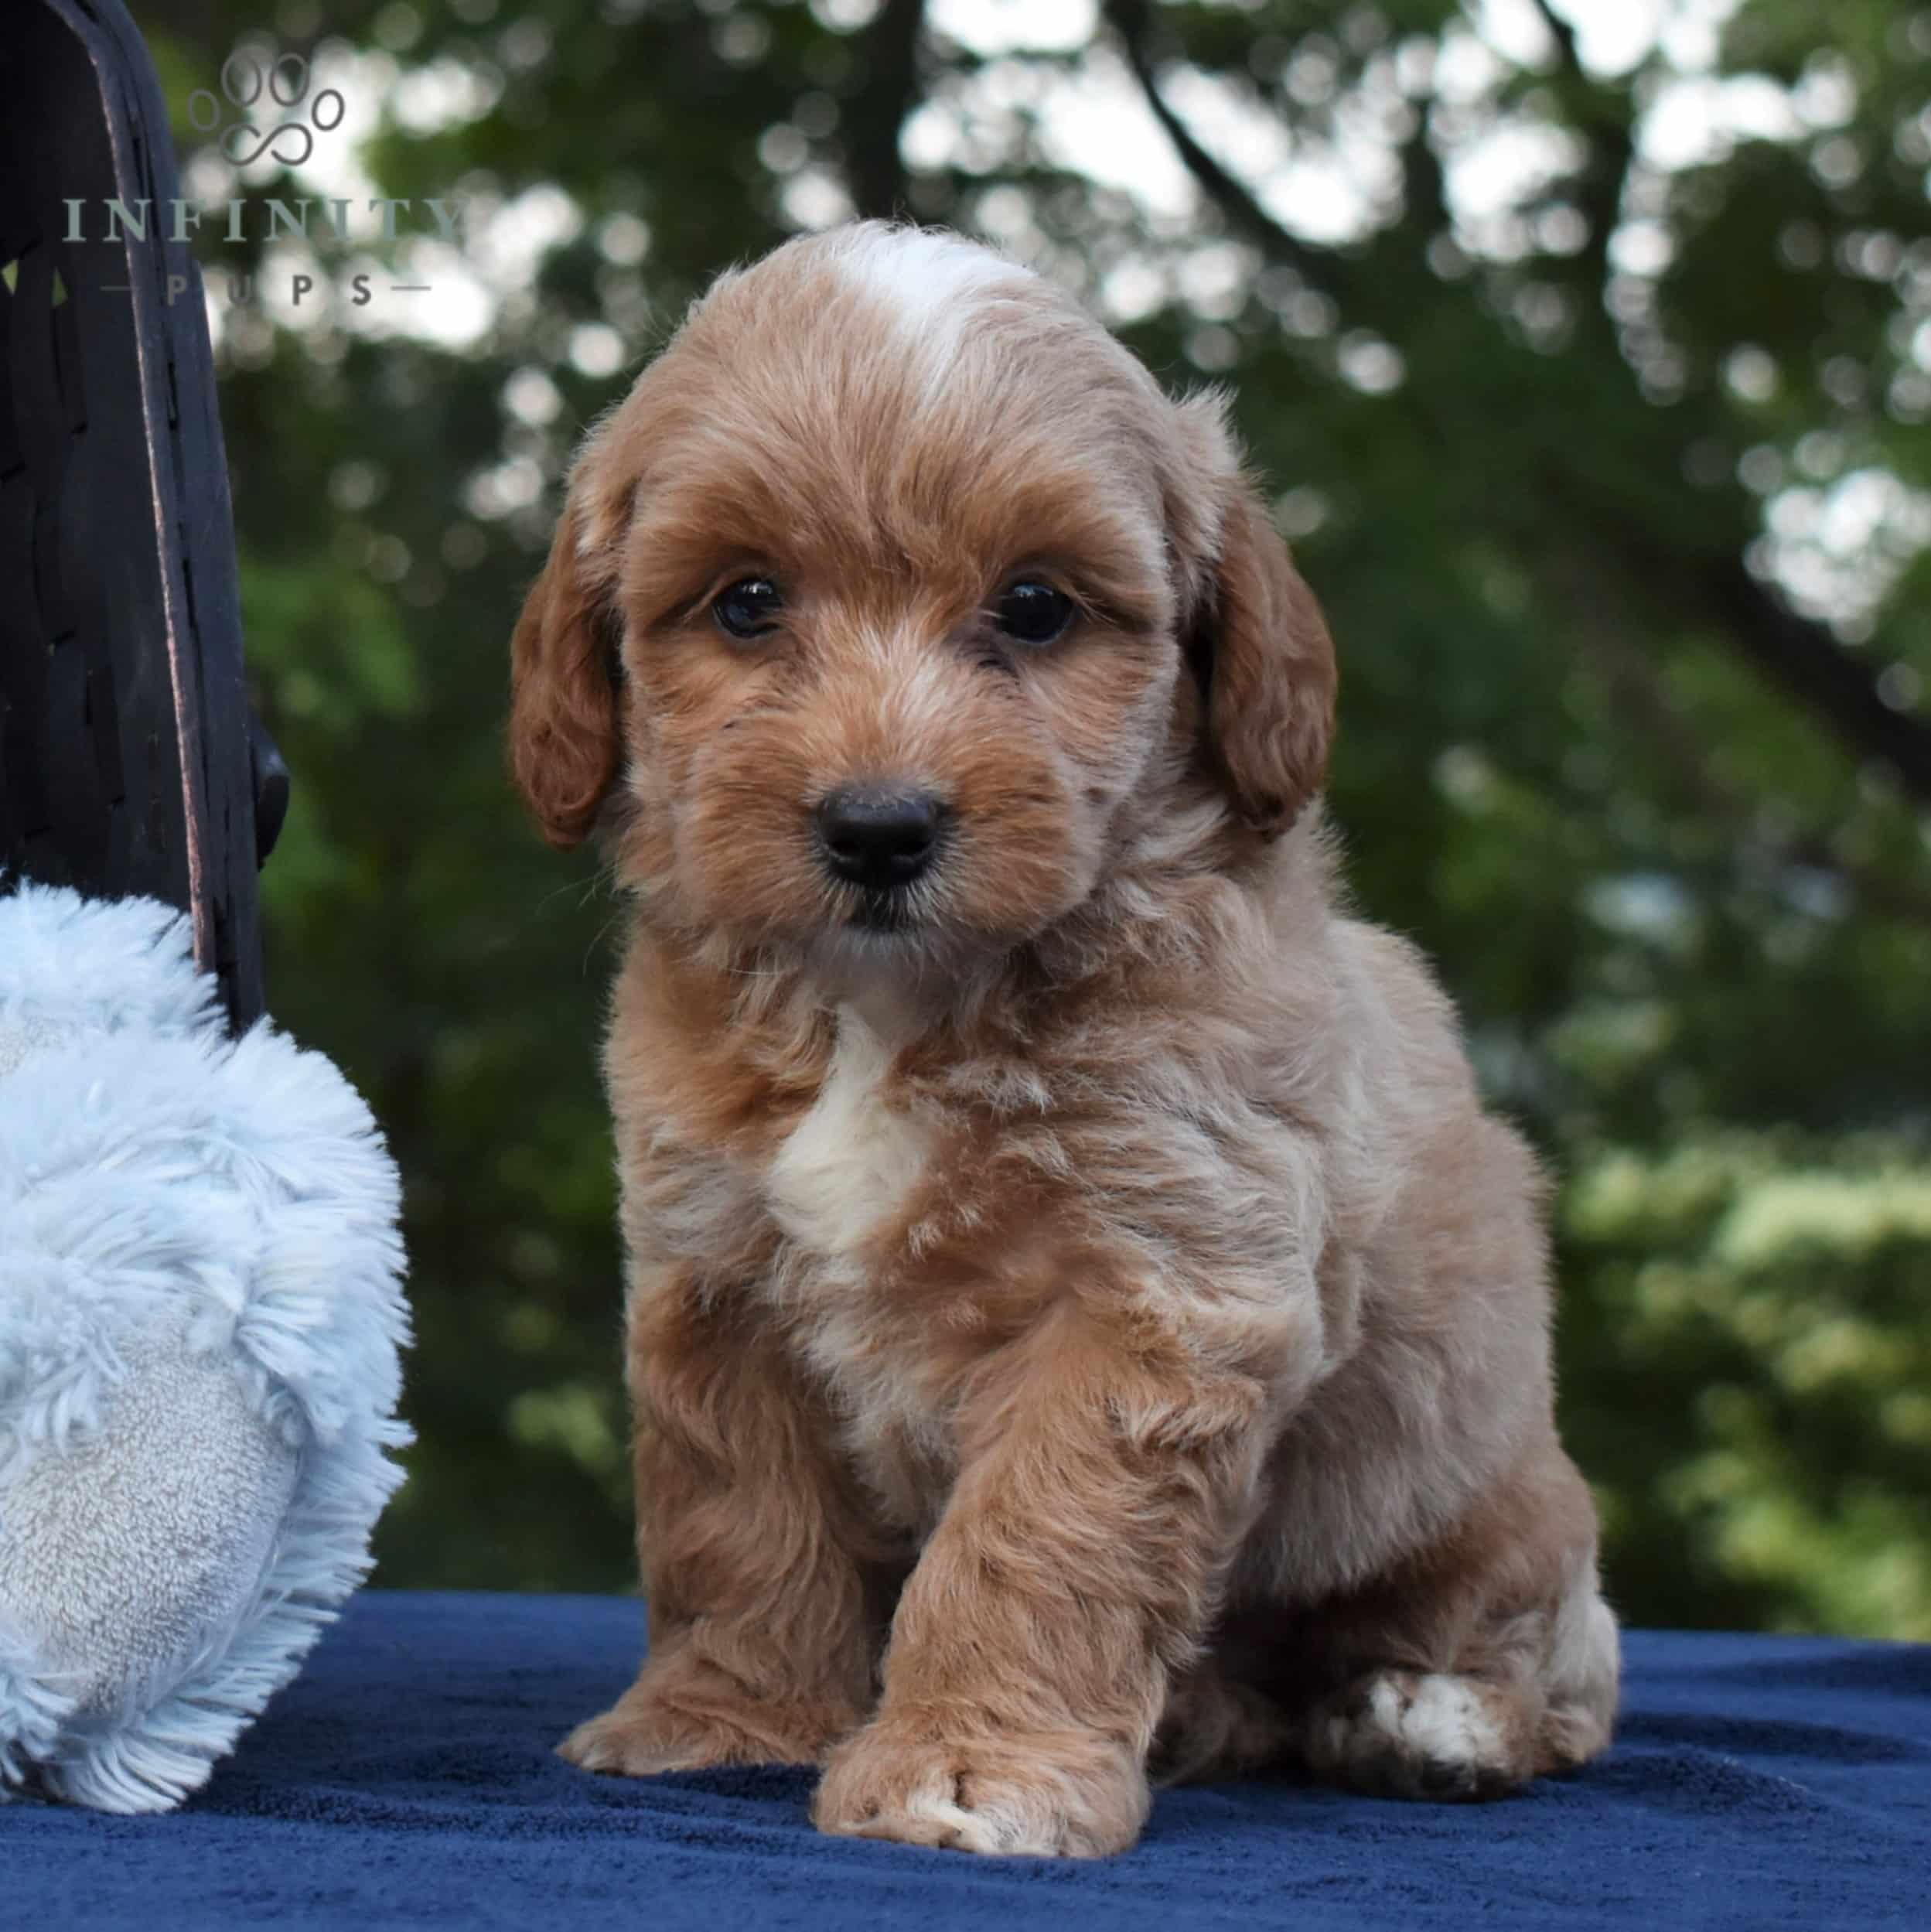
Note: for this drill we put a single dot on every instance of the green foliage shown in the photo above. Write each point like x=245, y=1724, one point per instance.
x=1686, y=914
x=1765, y=1294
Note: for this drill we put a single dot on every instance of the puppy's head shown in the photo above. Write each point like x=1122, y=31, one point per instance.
x=893, y=580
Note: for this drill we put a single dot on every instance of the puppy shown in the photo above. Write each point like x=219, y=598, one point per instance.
x=1081, y=1322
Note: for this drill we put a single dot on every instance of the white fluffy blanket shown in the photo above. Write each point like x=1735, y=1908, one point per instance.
x=200, y=1317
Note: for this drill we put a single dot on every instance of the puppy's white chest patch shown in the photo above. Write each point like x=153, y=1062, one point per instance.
x=850, y=1165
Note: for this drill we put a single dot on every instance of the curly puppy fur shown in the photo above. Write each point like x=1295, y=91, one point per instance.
x=1083, y=1324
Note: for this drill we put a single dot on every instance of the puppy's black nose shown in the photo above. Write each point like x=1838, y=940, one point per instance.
x=878, y=836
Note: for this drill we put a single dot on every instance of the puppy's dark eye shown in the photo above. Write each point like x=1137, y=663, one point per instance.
x=1033, y=612
x=748, y=608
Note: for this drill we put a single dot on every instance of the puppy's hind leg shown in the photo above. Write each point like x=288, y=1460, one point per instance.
x=1425, y=1734
x=1478, y=1665
x=1540, y=1697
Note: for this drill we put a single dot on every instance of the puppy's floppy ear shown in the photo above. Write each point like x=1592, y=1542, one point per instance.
x=1255, y=637
x=564, y=744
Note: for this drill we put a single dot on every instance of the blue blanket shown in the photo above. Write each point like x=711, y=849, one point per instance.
x=407, y=1780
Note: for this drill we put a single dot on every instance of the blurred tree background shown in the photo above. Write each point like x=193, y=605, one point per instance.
x=1588, y=345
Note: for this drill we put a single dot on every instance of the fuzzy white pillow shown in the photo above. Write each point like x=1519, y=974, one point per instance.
x=201, y=1316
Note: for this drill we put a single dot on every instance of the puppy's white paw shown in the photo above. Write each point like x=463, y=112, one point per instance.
x=1420, y=1735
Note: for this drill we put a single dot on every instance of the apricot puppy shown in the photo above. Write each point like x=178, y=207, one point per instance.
x=1081, y=1319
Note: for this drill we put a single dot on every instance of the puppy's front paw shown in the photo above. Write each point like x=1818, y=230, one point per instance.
x=1054, y=1795
x=662, y=1725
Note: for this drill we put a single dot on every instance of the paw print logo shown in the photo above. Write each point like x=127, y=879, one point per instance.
x=281, y=89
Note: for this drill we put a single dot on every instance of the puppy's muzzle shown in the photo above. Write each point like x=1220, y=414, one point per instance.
x=879, y=838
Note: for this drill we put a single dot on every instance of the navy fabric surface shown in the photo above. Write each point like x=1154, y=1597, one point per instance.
x=407, y=1779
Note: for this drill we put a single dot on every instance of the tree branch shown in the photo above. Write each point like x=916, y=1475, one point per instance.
x=1799, y=657
x=1805, y=660
x=1633, y=684
x=1131, y=19
x=1565, y=37
x=878, y=115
